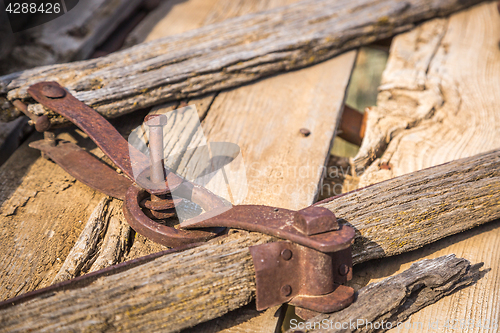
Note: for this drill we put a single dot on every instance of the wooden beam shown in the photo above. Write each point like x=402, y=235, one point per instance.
x=179, y=290
x=386, y=304
x=227, y=54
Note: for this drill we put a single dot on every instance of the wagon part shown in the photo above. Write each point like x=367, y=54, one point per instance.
x=308, y=271
x=86, y=168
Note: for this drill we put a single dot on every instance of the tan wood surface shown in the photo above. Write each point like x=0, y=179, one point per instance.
x=438, y=102
x=43, y=210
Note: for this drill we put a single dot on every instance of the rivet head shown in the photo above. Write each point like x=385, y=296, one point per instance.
x=286, y=254
x=53, y=91
x=343, y=269
x=286, y=290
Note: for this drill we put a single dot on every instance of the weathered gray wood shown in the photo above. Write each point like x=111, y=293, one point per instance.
x=72, y=36
x=385, y=304
x=227, y=54
x=180, y=290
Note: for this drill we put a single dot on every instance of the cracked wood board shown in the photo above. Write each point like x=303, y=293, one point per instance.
x=122, y=300
x=226, y=54
x=439, y=102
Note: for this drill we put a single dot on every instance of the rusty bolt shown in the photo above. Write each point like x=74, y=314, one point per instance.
x=286, y=254
x=155, y=123
x=51, y=90
x=305, y=132
x=286, y=290
x=315, y=220
x=42, y=124
x=343, y=269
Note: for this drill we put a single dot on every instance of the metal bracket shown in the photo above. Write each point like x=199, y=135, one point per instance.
x=308, y=272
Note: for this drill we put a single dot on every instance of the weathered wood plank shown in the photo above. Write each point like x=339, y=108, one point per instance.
x=43, y=211
x=37, y=225
x=477, y=304
x=438, y=104
x=227, y=54
x=467, y=190
x=389, y=302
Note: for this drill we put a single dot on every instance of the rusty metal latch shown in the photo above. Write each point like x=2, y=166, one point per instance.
x=307, y=270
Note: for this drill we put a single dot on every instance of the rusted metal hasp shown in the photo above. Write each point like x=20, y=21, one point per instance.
x=147, y=203
x=53, y=96
x=308, y=271
x=85, y=167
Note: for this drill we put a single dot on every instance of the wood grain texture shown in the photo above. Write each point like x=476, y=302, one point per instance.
x=438, y=103
x=171, y=292
x=37, y=224
x=283, y=167
x=43, y=211
x=477, y=304
x=389, y=302
x=227, y=54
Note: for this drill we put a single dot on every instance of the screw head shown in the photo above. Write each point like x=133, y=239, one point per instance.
x=305, y=132
x=286, y=290
x=286, y=254
x=53, y=90
x=344, y=269
x=155, y=120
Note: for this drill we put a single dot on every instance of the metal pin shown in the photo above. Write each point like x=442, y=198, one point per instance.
x=156, y=123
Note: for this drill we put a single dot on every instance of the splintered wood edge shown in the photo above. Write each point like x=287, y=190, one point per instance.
x=387, y=303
